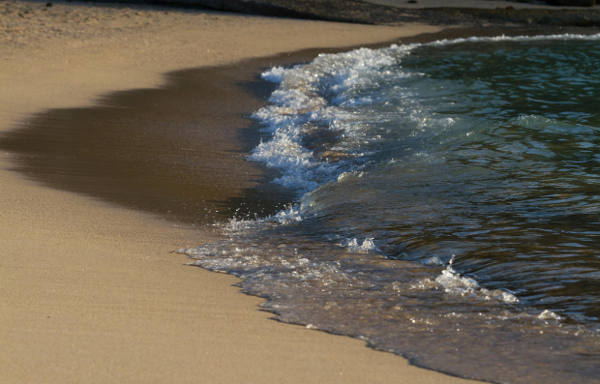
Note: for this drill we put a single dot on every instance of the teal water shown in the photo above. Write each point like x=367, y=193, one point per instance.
x=448, y=205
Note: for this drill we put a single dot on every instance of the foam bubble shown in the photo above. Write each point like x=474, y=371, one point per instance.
x=274, y=74
x=289, y=216
x=549, y=315
x=354, y=245
x=454, y=283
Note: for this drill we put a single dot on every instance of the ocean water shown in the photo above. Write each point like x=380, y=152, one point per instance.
x=448, y=205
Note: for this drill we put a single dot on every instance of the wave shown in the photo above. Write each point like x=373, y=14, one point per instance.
x=345, y=132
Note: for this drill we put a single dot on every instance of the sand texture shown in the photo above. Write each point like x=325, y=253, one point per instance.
x=90, y=292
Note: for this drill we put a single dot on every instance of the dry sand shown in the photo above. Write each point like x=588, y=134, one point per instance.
x=89, y=292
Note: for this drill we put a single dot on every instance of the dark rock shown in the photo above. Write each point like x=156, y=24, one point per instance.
x=335, y=10
x=357, y=11
x=573, y=3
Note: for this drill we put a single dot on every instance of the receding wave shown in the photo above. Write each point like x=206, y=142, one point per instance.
x=447, y=204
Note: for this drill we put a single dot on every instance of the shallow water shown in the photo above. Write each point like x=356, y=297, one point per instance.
x=448, y=206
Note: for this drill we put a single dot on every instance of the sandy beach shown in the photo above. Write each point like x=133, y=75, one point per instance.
x=91, y=291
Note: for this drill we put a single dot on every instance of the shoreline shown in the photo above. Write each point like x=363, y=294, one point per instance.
x=103, y=248
x=90, y=291
x=178, y=150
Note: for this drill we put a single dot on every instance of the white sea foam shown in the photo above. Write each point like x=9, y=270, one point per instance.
x=475, y=39
x=316, y=94
x=288, y=216
x=454, y=283
x=549, y=315
x=274, y=74
x=355, y=245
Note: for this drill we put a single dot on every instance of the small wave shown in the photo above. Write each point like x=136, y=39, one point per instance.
x=317, y=95
x=456, y=284
x=308, y=97
x=475, y=39
x=326, y=130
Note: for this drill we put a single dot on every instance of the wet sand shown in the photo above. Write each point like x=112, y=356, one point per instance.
x=90, y=291
x=176, y=151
